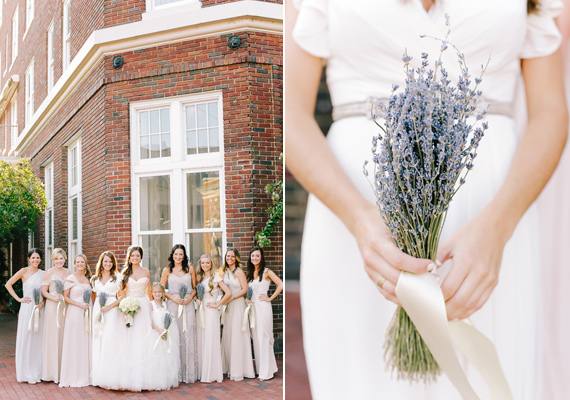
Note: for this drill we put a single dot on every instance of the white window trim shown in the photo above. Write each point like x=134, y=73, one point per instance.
x=176, y=166
x=6, y=50
x=74, y=192
x=29, y=93
x=15, y=28
x=29, y=10
x=50, y=61
x=66, y=35
x=151, y=5
x=14, y=119
x=48, y=170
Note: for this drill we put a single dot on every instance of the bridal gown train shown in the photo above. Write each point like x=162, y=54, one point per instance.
x=363, y=42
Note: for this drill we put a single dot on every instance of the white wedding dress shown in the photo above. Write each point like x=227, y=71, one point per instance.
x=363, y=42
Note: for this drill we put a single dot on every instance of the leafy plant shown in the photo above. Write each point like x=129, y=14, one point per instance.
x=275, y=211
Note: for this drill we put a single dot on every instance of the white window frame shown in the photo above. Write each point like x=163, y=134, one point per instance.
x=74, y=191
x=177, y=166
x=50, y=58
x=48, y=228
x=29, y=14
x=7, y=47
x=29, y=93
x=14, y=119
x=151, y=4
x=66, y=34
x=14, y=36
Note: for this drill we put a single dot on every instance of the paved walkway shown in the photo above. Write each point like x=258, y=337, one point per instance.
x=297, y=382
x=227, y=390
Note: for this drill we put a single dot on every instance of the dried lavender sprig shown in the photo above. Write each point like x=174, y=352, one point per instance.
x=37, y=293
x=87, y=296
x=182, y=291
x=200, y=291
x=103, y=296
x=58, y=286
x=249, y=293
x=168, y=317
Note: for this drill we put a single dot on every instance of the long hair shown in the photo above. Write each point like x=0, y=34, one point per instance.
x=87, y=270
x=251, y=267
x=238, y=260
x=99, y=268
x=184, y=260
x=200, y=272
x=159, y=286
x=128, y=268
x=532, y=6
x=58, y=252
x=36, y=251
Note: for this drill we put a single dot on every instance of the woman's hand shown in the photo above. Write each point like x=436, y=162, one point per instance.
x=263, y=297
x=105, y=309
x=40, y=306
x=82, y=305
x=476, y=250
x=198, y=302
x=186, y=301
x=212, y=305
x=25, y=300
x=381, y=256
x=248, y=302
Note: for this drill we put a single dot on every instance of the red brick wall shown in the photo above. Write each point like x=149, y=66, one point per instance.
x=119, y=12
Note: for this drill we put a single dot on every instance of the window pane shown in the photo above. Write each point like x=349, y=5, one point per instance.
x=166, y=145
x=214, y=140
x=154, y=121
x=202, y=140
x=212, y=114
x=205, y=243
x=155, y=203
x=163, y=2
x=144, y=122
x=75, y=219
x=71, y=256
x=190, y=117
x=48, y=258
x=156, y=251
x=202, y=115
x=145, y=153
x=203, y=195
x=49, y=227
x=191, y=142
x=73, y=166
x=154, y=146
x=165, y=120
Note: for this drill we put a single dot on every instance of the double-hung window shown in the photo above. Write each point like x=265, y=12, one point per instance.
x=49, y=218
x=74, y=200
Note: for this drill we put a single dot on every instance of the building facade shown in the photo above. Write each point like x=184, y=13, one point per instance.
x=150, y=122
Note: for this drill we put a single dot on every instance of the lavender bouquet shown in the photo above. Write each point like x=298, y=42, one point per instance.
x=248, y=310
x=168, y=317
x=103, y=296
x=34, y=323
x=86, y=313
x=61, y=304
x=182, y=291
x=200, y=295
x=422, y=158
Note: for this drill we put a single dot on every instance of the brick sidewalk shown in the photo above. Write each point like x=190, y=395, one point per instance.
x=10, y=389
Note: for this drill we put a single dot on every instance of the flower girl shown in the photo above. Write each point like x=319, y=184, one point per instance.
x=164, y=356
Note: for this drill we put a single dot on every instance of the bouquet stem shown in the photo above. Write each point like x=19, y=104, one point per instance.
x=406, y=352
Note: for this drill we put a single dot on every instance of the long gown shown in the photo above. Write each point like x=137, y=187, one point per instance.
x=29, y=343
x=209, y=344
x=135, y=373
x=188, y=355
x=363, y=42
x=262, y=331
x=53, y=336
x=164, y=355
x=105, y=364
x=76, y=353
x=236, y=344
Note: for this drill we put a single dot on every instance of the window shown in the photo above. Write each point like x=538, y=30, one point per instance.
x=29, y=93
x=15, y=36
x=154, y=4
x=66, y=34
x=178, y=177
x=74, y=200
x=50, y=58
x=14, y=119
x=49, y=219
x=29, y=13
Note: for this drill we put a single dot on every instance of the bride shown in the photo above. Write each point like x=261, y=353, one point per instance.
x=491, y=230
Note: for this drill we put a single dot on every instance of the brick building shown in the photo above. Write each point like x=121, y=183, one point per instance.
x=151, y=122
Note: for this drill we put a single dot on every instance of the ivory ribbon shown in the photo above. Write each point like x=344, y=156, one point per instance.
x=223, y=310
x=180, y=309
x=98, y=324
x=59, y=303
x=245, y=315
x=86, y=321
x=201, y=311
x=34, y=320
x=421, y=297
x=158, y=341
x=252, y=316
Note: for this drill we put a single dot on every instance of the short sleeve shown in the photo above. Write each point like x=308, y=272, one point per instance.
x=69, y=282
x=217, y=278
x=542, y=35
x=311, y=29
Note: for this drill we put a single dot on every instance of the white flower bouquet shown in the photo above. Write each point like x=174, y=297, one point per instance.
x=129, y=306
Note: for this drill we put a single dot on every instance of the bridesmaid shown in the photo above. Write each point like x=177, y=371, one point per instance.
x=179, y=273
x=105, y=322
x=54, y=317
x=236, y=344
x=76, y=354
x=135, y=372
x=259, y=278
x=28, y=342
x=209, y=346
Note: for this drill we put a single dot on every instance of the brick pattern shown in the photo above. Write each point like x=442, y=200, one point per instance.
x=119, y=12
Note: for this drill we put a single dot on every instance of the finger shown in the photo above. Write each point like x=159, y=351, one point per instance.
x=444, y=252
x=464, y=298
x=404, y=262
x=387, y=289
x=454, y=278
x=375, y=265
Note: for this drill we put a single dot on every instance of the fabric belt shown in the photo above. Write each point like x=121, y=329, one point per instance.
x=370, y=107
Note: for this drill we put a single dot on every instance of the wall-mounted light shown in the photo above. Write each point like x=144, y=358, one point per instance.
x=234, y=42
x=117, y=62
